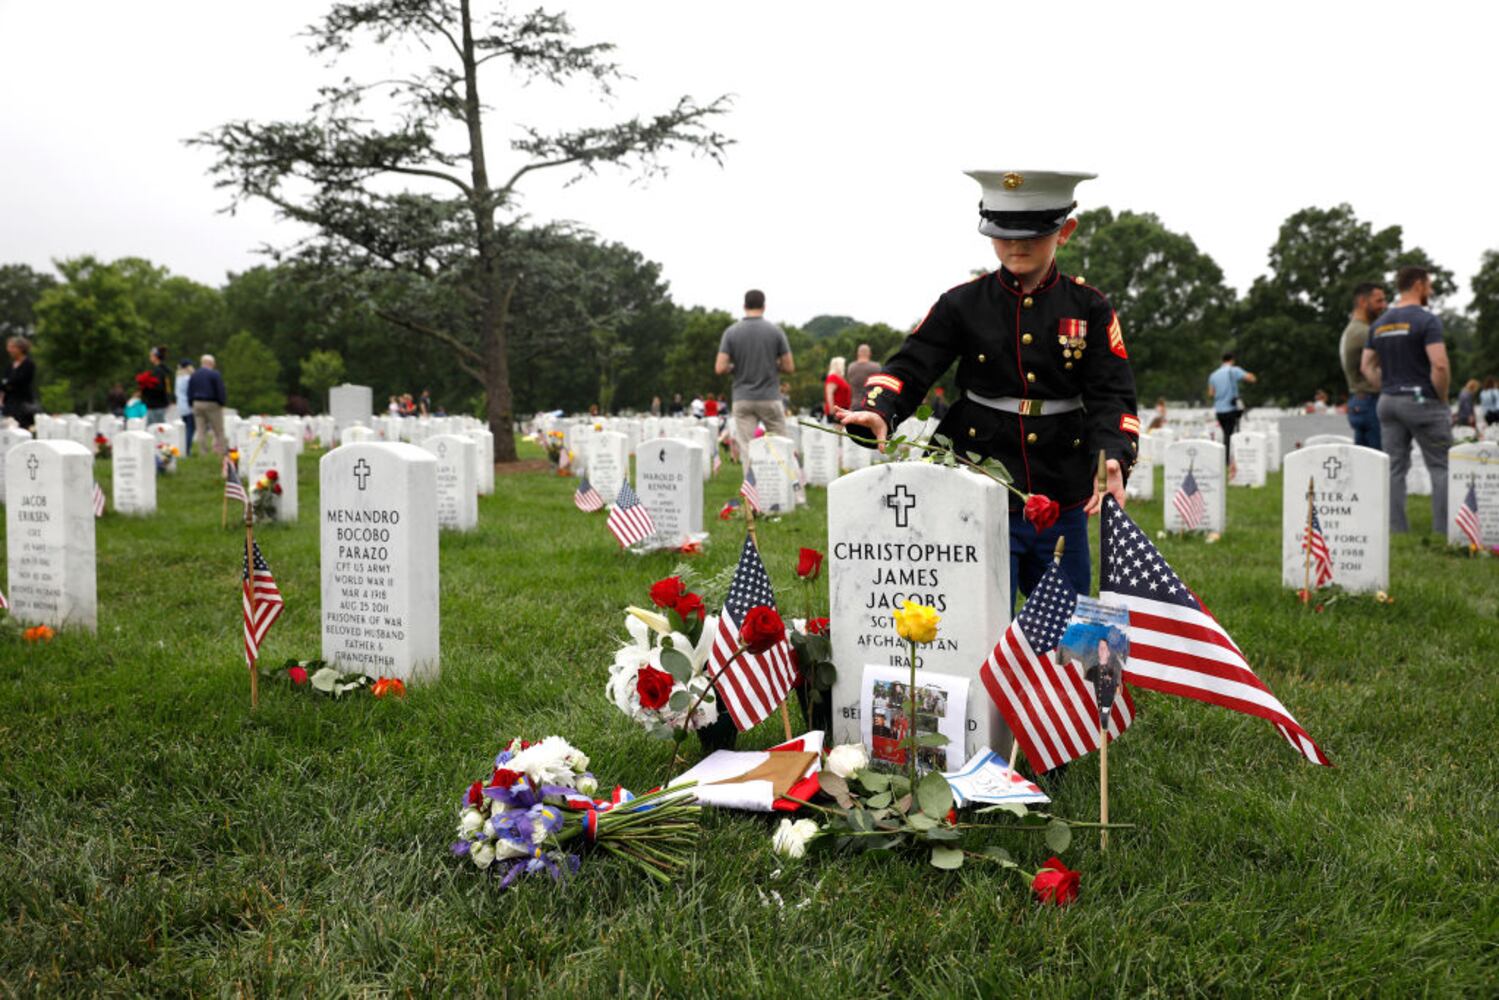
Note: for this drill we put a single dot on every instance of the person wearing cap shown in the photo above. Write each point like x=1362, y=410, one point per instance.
x=1045, y=377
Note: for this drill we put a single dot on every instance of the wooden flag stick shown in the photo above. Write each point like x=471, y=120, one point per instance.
x=1306, y=541
x=749, y=523
x=249, y=586
x=1103, y=784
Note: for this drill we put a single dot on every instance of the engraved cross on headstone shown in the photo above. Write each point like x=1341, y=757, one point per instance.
x=32, y=463
x=901, y=501
x=442, y=448
x=1332, y=466
x=362, y=473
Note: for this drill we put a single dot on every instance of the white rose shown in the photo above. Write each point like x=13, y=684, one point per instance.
x=483, y=854
x=587, y=785
x=791, y=839
x=848, y=759
x=470, y=822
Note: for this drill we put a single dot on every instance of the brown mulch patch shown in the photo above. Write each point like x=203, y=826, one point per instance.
x=517, y=468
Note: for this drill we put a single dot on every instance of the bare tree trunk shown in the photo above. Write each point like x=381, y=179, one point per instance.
x=495, y=293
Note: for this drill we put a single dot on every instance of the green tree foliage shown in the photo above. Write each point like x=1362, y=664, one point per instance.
x=321, y=371
x=689, y=360
x=20, y=288
x=252, y=375
x=822, y=327
x=1485, y=311
x=89, y=329
x=337, y=171
x=1287, y=327
x=1170, y=296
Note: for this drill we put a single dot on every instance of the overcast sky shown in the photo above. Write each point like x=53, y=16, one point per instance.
x=853, y=121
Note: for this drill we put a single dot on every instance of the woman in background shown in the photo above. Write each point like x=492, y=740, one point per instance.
x=836, y=393
x=18, y=386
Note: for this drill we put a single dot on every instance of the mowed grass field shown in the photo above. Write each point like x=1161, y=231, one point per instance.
x=156, y=838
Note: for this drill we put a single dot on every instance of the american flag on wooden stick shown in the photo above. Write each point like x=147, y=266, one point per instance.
x=749, y=491
x=629, y=521
x=586, y=498
x=262, y=603
x=1467, y=516
x=1176, y=646
x=1315, y=543
x=1188, y=502
x=755, y=684
x=98, y=500
x=1051, y=709
x=233, y=488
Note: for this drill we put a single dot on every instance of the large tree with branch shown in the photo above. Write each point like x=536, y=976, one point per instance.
x=414, y=212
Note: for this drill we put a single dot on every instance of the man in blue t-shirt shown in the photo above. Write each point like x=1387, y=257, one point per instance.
x=1228, y=406
x=1407, y=360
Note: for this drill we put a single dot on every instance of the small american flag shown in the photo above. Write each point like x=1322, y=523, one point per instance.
x=1315, y=543
x=717, y=459
x=1176, y=646
x=233, y=488
x=629, y=521
x=262, y=603
x=754, y=685
x=586, y=498
x=1188, y=503
x=749, y=491
x=98, y=500
x=1051, y=708
x=1467, y=516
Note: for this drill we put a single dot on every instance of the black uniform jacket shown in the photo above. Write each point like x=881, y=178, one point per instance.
x=1059, y=342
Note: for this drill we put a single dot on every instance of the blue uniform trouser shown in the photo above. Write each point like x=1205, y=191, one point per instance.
x=188, y=422
x=1363, y=417
x=1031, y=552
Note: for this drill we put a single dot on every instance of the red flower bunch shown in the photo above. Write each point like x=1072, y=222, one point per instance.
x=672, y=593
x=817, y=626
x=654, y=687
x=762, y=629
x=100, y=439
x=1042, y=511
x=298, y=674
x=272, y=475
x=809, y=564
x=384, y=685
x=503, y=777
x=690, y=605
x=276, y=488
x=1055, y=883
x=146, y=380
x=475, y=793
x=38, y=633
x=727, y=510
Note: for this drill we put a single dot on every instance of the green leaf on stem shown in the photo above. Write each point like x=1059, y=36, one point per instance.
x=831, y=783
x=931, y=740
x=861, y=820
x=677, y=664
x=921, y=823
x=999, y=855
x=923, y=412
x=680, y=700
x=1015, y=809
x=1058, y=836
x=935, y=795
x=879, y=801
x=874, y=781
x=947, y=858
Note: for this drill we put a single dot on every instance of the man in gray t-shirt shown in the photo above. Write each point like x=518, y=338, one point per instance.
x=757, y=352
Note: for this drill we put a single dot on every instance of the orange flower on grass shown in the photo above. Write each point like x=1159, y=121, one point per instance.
x=388, y=685
x=39, y=633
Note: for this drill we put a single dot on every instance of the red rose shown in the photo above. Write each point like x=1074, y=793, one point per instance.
x=1055, y=883
x=276, y=489
x=654, y=687
x=809, y=564
x=817, y=626
x=1041, y=511
x=689, y=605
x=298, y=675
x=476, y=793
x=666, y=593
x=272, y=475
x=762, y=629
x=503, y=778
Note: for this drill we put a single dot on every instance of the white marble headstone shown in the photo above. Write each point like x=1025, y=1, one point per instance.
x=1250, y=459
x=1320, y=439
x=484, y=438
x=669, y=480
x=1141, y=485
x=1205, y=460
x=1418, y=477
x=133, y=471
x=705, y=440
x=608, y=463
x=913, y=531
x=1474, y=465
x=820, y=451
x=855, y=456
x=379, y=559
x=49, y=531
x=351, y=404
x=1352, y=487
x=774, y=464
x=355, y=434
x=457, y=493
x=279, y=452
x=9, y=438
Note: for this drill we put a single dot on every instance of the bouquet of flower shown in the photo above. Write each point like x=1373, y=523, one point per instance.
x=658, y=676
x=166, y=457
x=321, y=677
x=263, y=494
x=552, y=442
x=812, y=642
x=536, y=810
x=101, y=446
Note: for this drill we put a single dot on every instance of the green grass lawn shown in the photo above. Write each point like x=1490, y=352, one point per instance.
x=159, y=839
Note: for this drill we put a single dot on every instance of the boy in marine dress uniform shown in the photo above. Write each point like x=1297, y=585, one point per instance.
x=1042, y=364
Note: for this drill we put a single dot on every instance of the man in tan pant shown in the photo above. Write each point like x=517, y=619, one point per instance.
x=205, y=390
x=757, y=352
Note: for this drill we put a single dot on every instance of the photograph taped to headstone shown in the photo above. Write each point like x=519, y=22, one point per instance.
x=941, y=707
